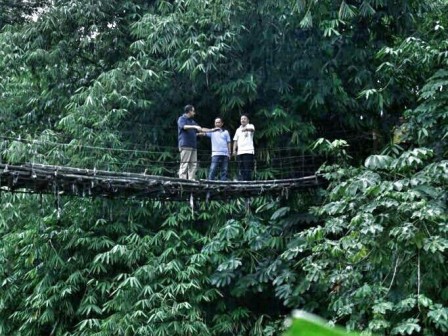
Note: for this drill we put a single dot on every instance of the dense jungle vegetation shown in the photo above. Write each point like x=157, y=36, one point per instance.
x=101, y=83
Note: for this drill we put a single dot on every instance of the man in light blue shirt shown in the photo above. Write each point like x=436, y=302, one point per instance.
x=221, y=150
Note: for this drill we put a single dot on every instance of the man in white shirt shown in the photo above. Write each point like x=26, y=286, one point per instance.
x=243, y=148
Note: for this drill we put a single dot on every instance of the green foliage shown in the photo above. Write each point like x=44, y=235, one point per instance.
x=18, y=11
x=100, y=85
x=380, y=254
x=335, y=148
x=415, y=65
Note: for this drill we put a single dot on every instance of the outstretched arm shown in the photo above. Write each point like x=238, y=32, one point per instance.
x=203, y=129
x=200, y=129
x=196, y=127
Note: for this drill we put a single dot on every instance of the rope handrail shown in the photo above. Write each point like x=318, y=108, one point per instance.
x=278, y=163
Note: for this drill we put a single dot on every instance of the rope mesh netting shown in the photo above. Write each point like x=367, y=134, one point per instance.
x=82, y=170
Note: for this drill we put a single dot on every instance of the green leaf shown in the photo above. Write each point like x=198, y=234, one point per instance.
x=378, y=162
x=305, y=324
x=408, y=327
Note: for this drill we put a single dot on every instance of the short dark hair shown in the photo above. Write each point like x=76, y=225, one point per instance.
x=222, y=120
x=188, y=108
x=245, y=115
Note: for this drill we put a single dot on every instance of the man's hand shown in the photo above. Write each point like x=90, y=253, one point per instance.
x=247, y=129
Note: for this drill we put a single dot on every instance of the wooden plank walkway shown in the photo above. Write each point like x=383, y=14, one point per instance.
x=60, y=180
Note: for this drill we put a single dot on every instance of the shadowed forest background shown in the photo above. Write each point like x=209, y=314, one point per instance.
x=100, y=84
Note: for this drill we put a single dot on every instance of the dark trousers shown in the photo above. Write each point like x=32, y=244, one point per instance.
x=219, y=163
x=245, y=166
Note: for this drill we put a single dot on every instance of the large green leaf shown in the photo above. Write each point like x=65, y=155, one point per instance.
x=305, y=324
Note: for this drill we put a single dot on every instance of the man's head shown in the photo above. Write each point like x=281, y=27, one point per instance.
x=244, y=119
x=189, y=110
x=218, y=122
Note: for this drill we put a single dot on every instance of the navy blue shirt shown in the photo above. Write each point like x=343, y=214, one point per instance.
x=186, y=138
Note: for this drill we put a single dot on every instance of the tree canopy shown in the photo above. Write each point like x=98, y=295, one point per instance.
x=100, y=85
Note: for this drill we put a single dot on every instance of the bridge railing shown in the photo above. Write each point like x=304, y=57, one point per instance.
x=270, y=163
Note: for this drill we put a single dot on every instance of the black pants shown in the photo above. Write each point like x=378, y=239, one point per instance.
x=245, y=166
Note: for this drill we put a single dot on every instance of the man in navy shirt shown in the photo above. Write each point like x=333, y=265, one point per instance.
x=187, y=129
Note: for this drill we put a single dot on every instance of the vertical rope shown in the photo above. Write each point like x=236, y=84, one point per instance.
x=192, y=204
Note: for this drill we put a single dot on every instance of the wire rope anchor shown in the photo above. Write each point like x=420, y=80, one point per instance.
x=192, y=204
x=57, y=195
x=33, y=172
x=15, y=178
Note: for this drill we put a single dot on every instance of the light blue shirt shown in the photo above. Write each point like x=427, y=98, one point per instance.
x=220, y=139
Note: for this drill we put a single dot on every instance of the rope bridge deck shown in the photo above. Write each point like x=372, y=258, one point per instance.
x=60, y=180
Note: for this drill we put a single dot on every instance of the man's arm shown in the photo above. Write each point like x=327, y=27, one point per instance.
x=196, y=127
x=249, y=128
x=200, y=129
x=207, y=134
x=235, y=141
x=229, y=142
x=207, y=130
x=235, y=147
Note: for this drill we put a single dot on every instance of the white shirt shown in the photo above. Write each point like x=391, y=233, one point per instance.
x=245, y=140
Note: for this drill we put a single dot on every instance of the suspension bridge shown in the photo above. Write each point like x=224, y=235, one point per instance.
x=61, y=180
x=149, y=173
